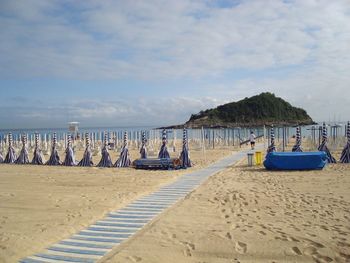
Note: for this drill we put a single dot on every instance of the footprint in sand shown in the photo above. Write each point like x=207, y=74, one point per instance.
x=296, y=228
x=343, y=244
x=135, y=258
x=262, y=233
x=263, y=226
x=187, y=253
x=290, y=238
x=322, y=259
x=345, y=256
x=281, y=238
x=297, y=251
x=234, y=226
x=324, y=227
x=315, y=244
x=311, y=234
x=310, y=251
x=189, y=247
x=241, y=247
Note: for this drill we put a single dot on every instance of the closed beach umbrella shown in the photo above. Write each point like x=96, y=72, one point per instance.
x=1, y=158
x=106, y=158
x=185, y=156
x=54, y=157
x=345, y=155
x=23, y=156
x=87, y=157
x=272, y=147
x=124, y=159
x=37, y=157
x=69, y=160
x=143, y=150
x=323, y=146
x=297, y=146
x=163, y=153
x=11, y=154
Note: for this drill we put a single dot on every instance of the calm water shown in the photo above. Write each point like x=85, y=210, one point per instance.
x=152, y=132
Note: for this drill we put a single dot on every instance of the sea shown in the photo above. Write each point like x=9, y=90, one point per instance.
x=134, y=133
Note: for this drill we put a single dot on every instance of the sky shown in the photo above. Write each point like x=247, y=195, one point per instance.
x=137, y=63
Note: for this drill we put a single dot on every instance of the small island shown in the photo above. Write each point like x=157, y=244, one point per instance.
x=259, y=110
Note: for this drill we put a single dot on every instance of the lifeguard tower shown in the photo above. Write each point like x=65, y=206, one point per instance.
x=73, y=128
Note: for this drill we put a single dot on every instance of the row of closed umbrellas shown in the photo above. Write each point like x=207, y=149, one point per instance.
x=69, y=160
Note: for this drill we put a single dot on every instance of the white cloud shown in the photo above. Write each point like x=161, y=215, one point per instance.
x=152, y=39
x=174, y=40
x=162, y=111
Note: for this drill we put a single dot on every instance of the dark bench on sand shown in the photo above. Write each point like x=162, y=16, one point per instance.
x=157, y=163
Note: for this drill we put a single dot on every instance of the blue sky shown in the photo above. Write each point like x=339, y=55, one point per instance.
x=130, y=63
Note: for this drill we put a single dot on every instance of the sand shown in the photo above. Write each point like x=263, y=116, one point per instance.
x=247, y=214
x=243, y=214
x=41, y=205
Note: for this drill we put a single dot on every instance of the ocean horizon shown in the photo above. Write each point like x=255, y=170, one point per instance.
x=154, y=131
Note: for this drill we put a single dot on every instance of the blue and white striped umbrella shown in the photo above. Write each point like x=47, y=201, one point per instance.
x=323, y=146
x=345, y=155
x=272, y=147
x=37, y=156
x=87, y=157
x=124, y=159
x=54, y=157
x=70, y=159
x=185, y=156
x=106, y=158
x=163, y=153
x=143, y=150
x=23, y=156
x=1, y=157
x=297, y=146
x=11, y=154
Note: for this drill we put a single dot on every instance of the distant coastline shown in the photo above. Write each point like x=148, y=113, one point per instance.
x=237, y=125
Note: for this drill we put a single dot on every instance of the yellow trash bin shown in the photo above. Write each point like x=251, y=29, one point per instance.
x=258, y=158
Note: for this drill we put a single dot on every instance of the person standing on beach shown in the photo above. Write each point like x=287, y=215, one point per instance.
x=252, y=140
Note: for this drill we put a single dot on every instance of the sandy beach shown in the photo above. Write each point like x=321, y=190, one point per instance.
x=242, y=214
x=40, y=205
x=247, y=214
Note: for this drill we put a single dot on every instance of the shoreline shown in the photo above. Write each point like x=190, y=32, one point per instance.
x=237, y=125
